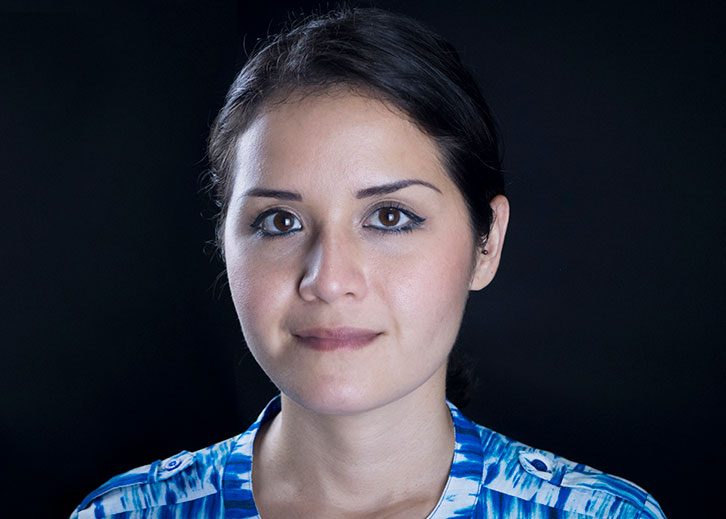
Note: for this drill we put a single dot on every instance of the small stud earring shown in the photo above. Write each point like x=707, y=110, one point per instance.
x=486, y=251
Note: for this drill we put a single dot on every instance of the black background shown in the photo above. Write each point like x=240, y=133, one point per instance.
x=600, y=339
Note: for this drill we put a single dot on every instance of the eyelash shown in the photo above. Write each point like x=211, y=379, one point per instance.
x=257, y=223
x=416, y=220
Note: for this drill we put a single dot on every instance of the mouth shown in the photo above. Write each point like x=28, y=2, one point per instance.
x=328, y=339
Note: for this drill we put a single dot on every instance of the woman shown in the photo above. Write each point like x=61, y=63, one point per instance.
x=357, y=172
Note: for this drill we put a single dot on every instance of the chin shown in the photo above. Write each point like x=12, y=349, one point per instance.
x=339, y=399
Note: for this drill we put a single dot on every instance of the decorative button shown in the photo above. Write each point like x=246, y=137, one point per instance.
x=537, y=464
x=171, y=464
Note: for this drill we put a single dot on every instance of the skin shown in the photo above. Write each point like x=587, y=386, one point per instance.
x=363, y=432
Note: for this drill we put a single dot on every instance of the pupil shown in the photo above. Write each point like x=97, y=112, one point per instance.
x=282, y=221
x=389, y=217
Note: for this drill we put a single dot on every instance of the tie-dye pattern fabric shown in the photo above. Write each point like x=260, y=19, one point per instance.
x=491, y=477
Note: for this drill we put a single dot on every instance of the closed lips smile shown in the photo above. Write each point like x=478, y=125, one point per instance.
x=326, y=339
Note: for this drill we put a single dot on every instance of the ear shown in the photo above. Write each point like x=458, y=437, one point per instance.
x=487, y=263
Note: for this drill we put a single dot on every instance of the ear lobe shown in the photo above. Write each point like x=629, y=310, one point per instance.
x=489, y=253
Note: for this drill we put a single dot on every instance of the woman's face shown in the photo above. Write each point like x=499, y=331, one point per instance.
x=349, y=253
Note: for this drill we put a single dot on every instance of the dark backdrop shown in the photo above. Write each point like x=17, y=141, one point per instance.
x=600, y=339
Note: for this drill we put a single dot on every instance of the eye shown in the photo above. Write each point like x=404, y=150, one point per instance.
x=390, y=218
x=276, y=222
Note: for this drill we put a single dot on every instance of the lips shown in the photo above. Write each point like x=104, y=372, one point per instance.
x=326, y=339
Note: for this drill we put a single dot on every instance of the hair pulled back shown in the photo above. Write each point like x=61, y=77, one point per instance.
x=382, y=55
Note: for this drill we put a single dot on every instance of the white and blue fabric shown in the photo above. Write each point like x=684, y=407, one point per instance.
x=491, y=477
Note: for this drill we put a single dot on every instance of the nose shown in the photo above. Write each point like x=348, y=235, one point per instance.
x=333, y=269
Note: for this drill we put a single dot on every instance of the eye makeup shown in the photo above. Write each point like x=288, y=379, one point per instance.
x=412, y=219
x=277, y=221
x=265, y=223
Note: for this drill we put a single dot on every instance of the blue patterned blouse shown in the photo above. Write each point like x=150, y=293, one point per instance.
x=491, y=477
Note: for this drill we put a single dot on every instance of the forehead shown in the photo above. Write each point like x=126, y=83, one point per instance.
x=343, y=139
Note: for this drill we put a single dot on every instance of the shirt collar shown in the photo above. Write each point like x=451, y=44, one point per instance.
x=458, y=499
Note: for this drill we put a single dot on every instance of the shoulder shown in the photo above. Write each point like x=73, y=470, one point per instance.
x=186, y=483
x=533, y=481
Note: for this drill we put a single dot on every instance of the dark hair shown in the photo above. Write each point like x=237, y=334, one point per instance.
x=382, y=55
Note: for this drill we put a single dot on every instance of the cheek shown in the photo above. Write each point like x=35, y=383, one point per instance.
x=428, y=293
x=259, y=292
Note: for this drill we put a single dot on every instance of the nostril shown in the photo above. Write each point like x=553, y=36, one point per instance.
x=333, y=268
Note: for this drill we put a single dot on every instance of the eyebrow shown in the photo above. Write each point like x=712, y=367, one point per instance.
x=383, y=189
x=274, y=193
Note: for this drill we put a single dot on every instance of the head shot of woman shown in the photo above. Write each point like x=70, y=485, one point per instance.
x=357, y=171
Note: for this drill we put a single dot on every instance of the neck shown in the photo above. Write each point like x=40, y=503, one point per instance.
x=396, y=453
